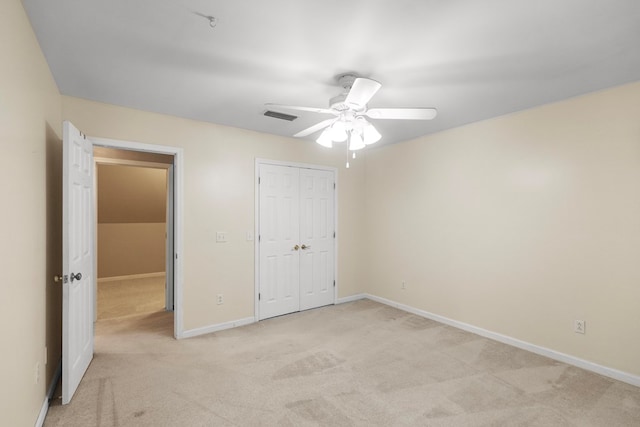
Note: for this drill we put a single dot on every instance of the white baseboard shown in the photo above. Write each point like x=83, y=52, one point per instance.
x=351, y=298
x=217, y=327
x=52, y=389
x=543, y=351
x=131, y=277
x=248, y=320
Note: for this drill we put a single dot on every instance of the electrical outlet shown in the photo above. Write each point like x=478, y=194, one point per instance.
x=36, y=372
x=404, y=285
x=579, y=326
x=220, y=299
x=221, y=236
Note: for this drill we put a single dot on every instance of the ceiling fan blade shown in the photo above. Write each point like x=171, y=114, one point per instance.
x=308, y=131
x=361, y=92
x=402, y=113
x=295, y=107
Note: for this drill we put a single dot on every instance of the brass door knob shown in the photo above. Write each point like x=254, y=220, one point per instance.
x=306, y=247
x=296, y=247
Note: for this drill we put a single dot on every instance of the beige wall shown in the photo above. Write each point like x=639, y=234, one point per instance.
x=519, y=225
x=131, y=248
x=131, y=194
x=30, y=131
x=219, y=165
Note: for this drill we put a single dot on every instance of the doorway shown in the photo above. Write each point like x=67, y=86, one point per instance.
x=296, y=244
x=168, y=161
x=134, y=231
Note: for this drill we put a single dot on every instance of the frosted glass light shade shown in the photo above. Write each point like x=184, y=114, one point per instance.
x=339, y=132
x=355, y=141
x=325, y=138
x=370, y=134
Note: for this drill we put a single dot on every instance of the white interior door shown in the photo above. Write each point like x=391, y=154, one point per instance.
x=77, y=258
x=279, y=241
x=316, y=238
x=296, y=239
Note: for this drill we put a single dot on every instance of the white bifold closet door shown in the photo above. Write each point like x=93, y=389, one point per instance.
x=296, y=238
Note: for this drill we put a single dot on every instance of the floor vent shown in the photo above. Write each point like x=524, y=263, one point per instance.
x=281, y=116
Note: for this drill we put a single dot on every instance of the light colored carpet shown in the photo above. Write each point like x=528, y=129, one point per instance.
x=130, y=297
x=355, y=364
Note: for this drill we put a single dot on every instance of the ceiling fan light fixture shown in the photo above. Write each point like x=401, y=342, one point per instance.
x=370, y=134
x=325, y=138
x=338, y=132
x=355, y=141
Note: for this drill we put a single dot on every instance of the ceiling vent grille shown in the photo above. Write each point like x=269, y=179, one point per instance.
x=281, y=116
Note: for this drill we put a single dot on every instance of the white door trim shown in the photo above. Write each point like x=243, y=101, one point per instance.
x=178, y=153
x=256, y=234
x=125, y=162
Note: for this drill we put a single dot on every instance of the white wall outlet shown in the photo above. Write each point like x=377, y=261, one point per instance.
x=579, y=326
x=221, y=236
x=36, y=372
x=404, y=285
x=220, y=299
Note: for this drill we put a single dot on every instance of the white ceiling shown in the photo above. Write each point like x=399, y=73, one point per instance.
x=470, y=59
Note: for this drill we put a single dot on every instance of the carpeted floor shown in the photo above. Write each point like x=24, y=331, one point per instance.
x=130, y=297
x=355, y=364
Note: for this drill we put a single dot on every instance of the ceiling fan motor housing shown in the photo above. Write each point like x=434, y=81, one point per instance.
x=337, y=102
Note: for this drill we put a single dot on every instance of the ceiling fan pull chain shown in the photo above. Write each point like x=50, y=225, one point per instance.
x=347, y=154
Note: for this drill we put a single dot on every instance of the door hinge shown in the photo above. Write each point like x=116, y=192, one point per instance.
x=258, y=296
x=334, y=185
x=259, y=237
x=334, y=283
x=259, y=180
x=334, y=234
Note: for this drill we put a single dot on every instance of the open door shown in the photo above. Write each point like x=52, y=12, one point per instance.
x=77, y=258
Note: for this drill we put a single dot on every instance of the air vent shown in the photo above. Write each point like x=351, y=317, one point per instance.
x=281, y=116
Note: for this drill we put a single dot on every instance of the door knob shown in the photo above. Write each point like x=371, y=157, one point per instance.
x=76, y=276
x=306, y=247
x=296, y=247
x=60, y=278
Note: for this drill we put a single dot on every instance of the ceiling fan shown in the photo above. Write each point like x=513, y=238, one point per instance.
x=350, y=111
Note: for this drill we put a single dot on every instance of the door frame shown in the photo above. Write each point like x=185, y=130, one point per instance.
x=178, y=208
x=256, y=246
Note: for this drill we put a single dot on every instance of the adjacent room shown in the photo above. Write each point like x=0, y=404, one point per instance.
x=131, y=231
x=326, y=213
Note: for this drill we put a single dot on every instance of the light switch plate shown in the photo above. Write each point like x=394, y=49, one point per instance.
x=221, y=236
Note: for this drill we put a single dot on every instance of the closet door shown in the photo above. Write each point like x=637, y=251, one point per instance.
x=279, y=240
x=316, y=238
